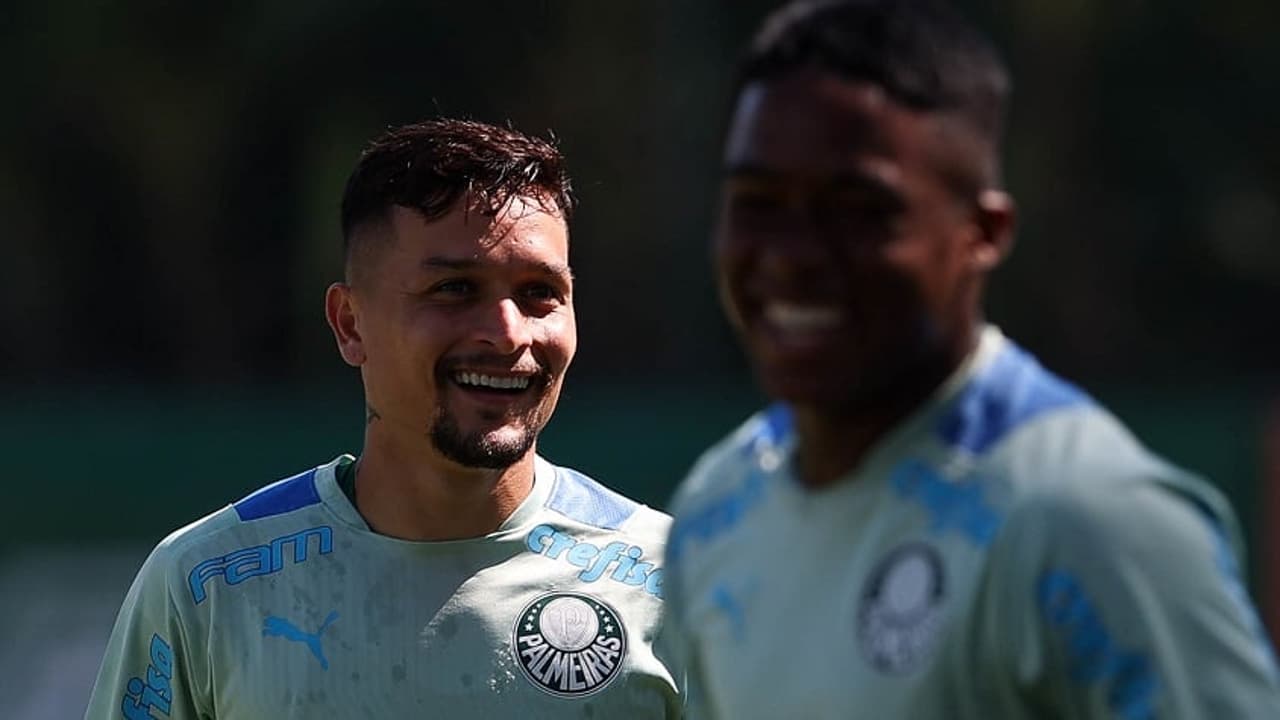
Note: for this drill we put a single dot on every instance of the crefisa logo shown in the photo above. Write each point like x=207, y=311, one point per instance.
x=900, y=614
x=569, y=644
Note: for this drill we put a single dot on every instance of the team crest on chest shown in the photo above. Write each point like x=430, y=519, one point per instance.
x=900, y=610
x=569, y=644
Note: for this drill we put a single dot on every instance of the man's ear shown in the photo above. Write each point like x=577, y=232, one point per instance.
x=996, y=216
x=340, y=311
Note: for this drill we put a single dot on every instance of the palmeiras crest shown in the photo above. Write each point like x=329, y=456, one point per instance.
x=901, y=607
x=569, y=644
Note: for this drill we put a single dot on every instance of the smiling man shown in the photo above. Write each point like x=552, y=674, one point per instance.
x=449, y=571
x=927, y=524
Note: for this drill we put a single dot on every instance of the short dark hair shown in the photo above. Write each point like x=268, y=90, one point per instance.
x=429, y=166
x=922, y=53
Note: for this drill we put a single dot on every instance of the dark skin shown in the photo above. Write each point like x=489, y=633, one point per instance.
x=849, y=258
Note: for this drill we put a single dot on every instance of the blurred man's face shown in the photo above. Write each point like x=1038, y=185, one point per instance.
x=844, y=258
x=467, y=327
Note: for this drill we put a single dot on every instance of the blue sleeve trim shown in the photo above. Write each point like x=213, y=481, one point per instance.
x=1013, y=389
x=280, y=497
x=579, y=497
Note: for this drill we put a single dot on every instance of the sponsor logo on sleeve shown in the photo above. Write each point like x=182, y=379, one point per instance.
x=238, y=566
x=1093, y=655
x=153, y=691
x=569, y=644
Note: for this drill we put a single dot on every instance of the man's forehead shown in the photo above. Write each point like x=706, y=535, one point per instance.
x=478, y=215
x=519, y=222
x=476, y=243
x=814, y=123
x=500, y=259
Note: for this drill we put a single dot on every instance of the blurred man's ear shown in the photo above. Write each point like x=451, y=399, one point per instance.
x=997, y=218
x=340, y=311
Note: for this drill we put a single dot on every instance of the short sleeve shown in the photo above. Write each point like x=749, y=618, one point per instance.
x=1127, y=603
x=146, y=671
x=678, y=645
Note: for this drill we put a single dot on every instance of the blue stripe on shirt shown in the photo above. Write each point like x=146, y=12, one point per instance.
x=280, y=497
x=579, y=497
x=1011, y=390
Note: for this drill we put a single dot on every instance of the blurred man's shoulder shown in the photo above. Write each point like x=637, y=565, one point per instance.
x=725, y=467
x=1042, y=446
x=1081, y=461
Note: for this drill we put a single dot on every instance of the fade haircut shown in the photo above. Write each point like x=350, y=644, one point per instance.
x=922, y=53
x=430, y=166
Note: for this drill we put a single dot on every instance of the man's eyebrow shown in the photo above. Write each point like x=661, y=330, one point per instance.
x=440, y=262
x=845, y=180
x=864, y=181
x=560, y=270
x=750, y=171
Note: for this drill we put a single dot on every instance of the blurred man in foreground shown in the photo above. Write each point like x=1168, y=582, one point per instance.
x=926, y=524
x=449, y=571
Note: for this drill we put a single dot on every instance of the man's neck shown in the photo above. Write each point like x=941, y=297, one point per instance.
x=423, y=496
x=831, y=444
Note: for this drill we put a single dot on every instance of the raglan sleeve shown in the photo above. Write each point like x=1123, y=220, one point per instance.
x=680, y=637
x=147, y=671
x=1129, y=605
x=677, y=642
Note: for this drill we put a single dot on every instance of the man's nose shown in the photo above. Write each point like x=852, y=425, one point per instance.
x=796, y=254
x=504, y=327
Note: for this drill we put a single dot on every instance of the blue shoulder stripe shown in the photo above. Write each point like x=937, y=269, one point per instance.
x=777, y=423
x=1013, y=389
x=587, y=501
x=280, y=497
x=769, y=430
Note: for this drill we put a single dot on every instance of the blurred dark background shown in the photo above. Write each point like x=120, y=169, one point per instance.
x=170, y=176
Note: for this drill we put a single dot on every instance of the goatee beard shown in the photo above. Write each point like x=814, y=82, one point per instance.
x=480, y=450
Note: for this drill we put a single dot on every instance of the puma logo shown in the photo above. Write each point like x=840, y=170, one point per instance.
x=279, y=627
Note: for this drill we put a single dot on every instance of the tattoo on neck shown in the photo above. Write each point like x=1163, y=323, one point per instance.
x=370, y=414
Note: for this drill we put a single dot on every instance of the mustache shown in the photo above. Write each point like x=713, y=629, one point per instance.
x=494, y=363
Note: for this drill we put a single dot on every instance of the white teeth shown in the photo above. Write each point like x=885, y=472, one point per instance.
x=493, y=381
x=802, y=318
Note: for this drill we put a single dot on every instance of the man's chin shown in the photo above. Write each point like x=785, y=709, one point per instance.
x=496, y=449
x=501, y=432
x=797, y=387
x=825, y=392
